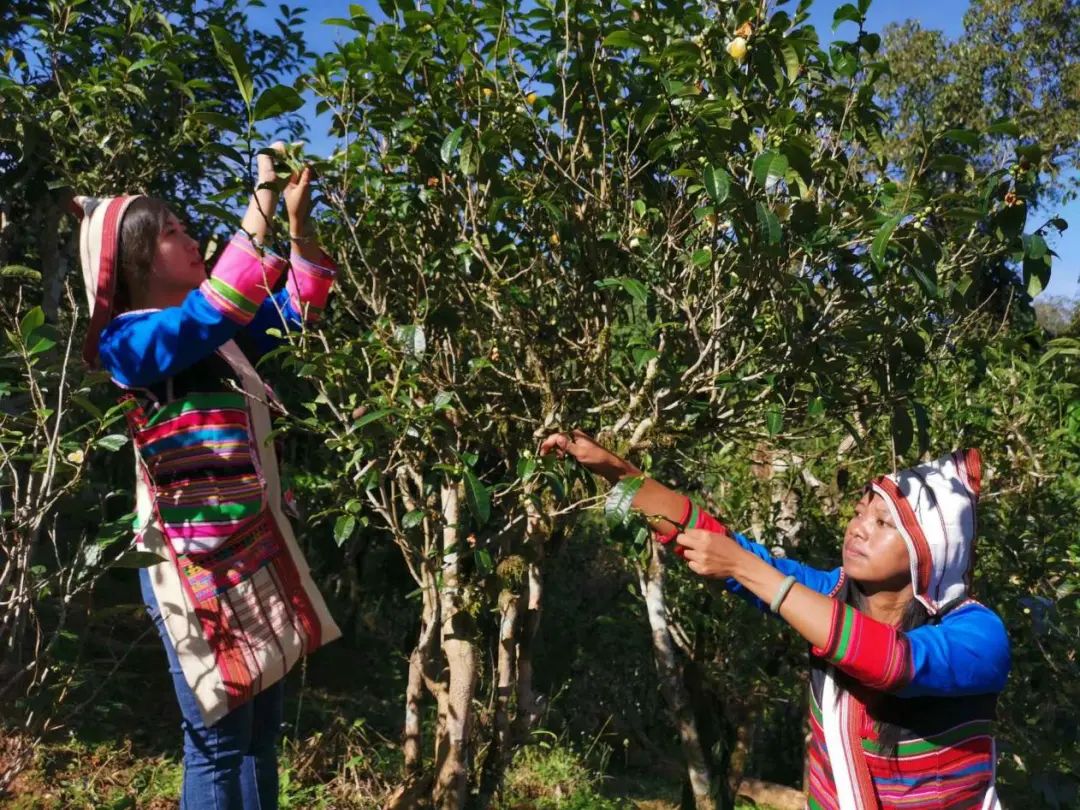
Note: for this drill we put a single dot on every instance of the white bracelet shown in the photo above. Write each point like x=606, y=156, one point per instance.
x=781, y=594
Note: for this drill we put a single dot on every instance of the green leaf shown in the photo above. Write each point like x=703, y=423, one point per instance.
x=112, y=442
x=792, y=63
x=277, y=100
x=770, y=165
x=769, y=224
x=964, y=136
x=344, y=527
x=903, y=431
x=372, y=416
x=623, y=40
x=634, y=288
x=232, y=56
x=774, y=420
x=1035, y=246
x=412, y=519
x=135, y=67
x=881, y=241
x=137, y=559
x=526, y=466
x=477, y=497
x=620, y=499
x=949, y=163
x=41, y=344
x=20, y=271
x=450, y=144
x=926, y=278
x=87, y=405
x=717, y=183
x=216, y=119
x=469, y=160
x=32, y=320
x=846, y=13
x=1037, y=274
x=922, y=425
x=1004, y=127
x=484, y=563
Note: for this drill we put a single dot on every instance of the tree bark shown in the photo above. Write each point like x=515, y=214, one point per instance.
x=651, y=581
x=502, y=742
x=455, y=702
x=537, y=531
x=420, y=663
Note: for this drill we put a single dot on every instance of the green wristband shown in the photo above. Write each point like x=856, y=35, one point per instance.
x=781, y=593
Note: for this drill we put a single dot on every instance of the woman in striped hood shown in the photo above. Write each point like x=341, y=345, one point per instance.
x=906, y=666
x=232, y=599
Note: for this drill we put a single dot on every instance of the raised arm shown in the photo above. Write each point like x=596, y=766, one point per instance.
x=141, y=348
x=665, y=508
x=966, y=654
x=309, y=278
x=258, y=221
x=671, y=514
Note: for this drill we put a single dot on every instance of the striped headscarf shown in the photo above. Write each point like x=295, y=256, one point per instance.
x=99, y=244
x=933, y=506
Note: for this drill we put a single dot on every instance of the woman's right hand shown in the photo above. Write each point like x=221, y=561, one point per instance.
x=298, y=201
x=590, y=455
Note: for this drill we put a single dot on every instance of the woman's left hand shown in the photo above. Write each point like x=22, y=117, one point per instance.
x=709, y=554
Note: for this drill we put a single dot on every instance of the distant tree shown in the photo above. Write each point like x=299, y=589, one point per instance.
x=1017, y=61
x=1057, y=314
x=103, y=98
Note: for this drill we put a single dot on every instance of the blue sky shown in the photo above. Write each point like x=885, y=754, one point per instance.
x=945, y=15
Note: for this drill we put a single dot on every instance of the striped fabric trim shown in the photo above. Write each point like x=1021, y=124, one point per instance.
x=687, y=519
x=104, y=273
x=211, y=575
x=202, y=467
x=309, y=285
x=873, y=653
x=908, y=523
x=821, y=786
x=946, y=739
x=841, y=581
x=242, y=278
x=950, y=769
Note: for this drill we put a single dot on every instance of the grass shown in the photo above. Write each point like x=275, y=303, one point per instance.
x=116, y=741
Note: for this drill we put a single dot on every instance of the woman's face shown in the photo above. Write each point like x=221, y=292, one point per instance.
x=874, y=550
x=177, y=261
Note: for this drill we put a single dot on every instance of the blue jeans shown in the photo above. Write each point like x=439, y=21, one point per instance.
x=231, y=765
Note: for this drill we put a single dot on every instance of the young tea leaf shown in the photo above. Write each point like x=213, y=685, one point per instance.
x=620, y=499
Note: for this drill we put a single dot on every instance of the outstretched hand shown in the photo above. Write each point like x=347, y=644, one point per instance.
x=298, y=200
x=586, y=452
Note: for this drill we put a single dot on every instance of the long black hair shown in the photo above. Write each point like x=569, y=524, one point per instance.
x=143, y=222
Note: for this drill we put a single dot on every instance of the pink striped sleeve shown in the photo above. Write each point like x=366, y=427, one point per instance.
x=309, y=284
x=242, y=278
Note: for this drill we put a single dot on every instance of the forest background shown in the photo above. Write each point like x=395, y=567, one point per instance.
x=764, y=275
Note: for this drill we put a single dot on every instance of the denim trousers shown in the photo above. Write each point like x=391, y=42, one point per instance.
x=232, y=765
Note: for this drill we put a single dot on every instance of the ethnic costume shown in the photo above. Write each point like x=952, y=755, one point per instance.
x=939, y=682
x=235, y=592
